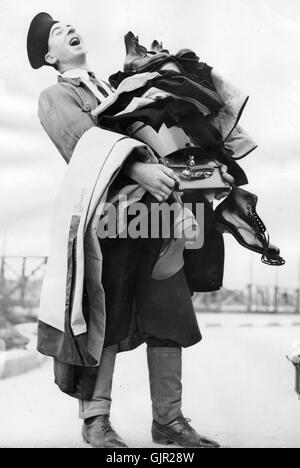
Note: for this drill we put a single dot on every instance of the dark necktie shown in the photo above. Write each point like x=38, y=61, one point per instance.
x=101, y=89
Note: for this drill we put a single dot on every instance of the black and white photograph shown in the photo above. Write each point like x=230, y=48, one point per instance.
x=149, y=226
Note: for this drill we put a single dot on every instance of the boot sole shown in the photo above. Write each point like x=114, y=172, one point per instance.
x=223, y=228
x=85, y=439
x=162, y=440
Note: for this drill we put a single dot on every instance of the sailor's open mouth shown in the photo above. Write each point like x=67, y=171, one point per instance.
x=74, y=41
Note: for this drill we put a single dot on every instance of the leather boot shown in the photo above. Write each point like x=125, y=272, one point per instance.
x=169, y=426
x=237, y=214
x=137, y=57
x=180, y=432
x=100, y=434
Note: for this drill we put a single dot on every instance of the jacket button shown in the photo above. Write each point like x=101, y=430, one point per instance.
x=87, y=108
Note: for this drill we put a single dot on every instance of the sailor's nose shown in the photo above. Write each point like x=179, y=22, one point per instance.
x=70, y=30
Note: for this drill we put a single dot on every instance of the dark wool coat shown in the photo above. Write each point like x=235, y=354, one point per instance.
x=64, y=111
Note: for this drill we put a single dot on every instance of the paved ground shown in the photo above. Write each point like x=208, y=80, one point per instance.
x=239, y=388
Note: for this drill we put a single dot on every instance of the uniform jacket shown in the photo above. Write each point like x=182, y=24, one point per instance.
x=76, y=341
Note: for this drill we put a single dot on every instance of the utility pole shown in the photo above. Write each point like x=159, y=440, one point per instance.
x=298, y=290
x=276, y=291
x=250, y=285
x=23, y=282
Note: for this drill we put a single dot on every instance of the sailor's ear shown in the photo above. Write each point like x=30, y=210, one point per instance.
x=50, y=59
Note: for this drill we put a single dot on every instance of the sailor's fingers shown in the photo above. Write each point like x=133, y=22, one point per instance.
x=170, y=173
x=228, y=177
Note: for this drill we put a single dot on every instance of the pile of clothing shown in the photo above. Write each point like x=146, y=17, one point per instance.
x=179, y=92
x=171, y=102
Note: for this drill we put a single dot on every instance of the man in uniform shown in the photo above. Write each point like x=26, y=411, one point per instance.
x=166, y=316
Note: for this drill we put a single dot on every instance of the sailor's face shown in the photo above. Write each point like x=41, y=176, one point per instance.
x=65, y=44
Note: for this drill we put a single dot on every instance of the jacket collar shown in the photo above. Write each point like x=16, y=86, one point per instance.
x=75, y=81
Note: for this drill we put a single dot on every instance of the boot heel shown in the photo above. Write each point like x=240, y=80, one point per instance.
x=161, y=440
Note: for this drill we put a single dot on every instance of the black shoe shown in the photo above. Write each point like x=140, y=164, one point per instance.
x=237, y=214
x=137, y=57
x=100, y=434
x=181, y=433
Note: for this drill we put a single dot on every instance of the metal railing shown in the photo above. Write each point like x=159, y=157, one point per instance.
x=21, y=280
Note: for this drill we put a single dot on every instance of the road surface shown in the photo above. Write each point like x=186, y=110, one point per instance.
x=238, y=388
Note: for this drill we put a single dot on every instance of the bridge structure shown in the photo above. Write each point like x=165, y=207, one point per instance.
x=20, y=280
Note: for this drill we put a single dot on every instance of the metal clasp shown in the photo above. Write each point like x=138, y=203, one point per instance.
x=191, y=173
x=191, y=161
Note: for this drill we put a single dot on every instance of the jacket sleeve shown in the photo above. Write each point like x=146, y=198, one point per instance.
x=64, y=118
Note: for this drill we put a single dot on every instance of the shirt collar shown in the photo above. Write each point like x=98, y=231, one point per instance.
x=76, y=73
x=76, y=76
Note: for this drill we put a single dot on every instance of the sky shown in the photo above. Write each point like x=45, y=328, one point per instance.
x=253, y=44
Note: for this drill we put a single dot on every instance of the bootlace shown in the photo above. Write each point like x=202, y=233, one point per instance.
x=257, y=221
x=105, y=425
x=260, y=228
x=263, y=236
x=185, y=423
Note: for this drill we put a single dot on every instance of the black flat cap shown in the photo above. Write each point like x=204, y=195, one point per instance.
x=37, y=39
